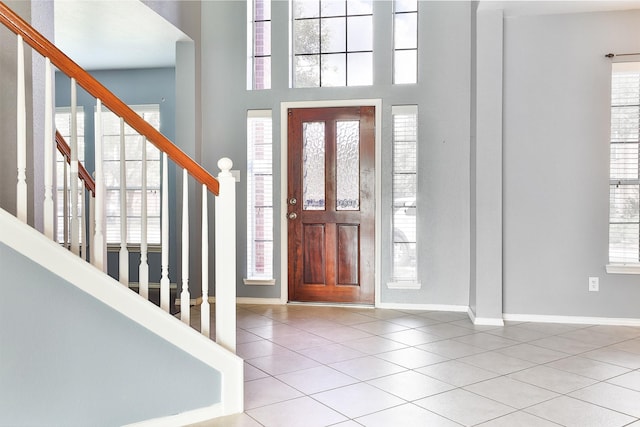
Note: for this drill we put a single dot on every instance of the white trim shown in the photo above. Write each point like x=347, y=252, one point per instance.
x=623, y=268
x=184, y=418
x=260, y=301
x=404, y=285
x=580, y=320
x=484, y=321
x=284, y=106
x=259, y=282
x=35, y=246
x=425, y=307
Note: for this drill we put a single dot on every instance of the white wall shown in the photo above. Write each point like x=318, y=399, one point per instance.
x=556, y=154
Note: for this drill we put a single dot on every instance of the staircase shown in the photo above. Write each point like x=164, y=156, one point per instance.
x=91, y=351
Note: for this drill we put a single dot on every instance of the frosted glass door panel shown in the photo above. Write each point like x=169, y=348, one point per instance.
x=313, y=166
x=348, y=165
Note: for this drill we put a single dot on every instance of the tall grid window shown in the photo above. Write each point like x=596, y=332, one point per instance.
x=332, y=43
x=624, y=196
x=259, y=195
x=63, y=125
x=259, y=41
x=405, y=41
x=405, y=144
x=134, y=144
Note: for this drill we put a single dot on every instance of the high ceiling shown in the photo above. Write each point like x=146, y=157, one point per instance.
x=120, y=34
x=114, y=34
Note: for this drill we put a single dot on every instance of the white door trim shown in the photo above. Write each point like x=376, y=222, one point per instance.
x=284, y=131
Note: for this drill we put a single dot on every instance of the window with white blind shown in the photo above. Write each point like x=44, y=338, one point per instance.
x=63, y=125
x=259, y=198
x=405, y=185
x=332, y=43
x=405, y=41
x=259, y=44
x=624, y=183
x=134, y=144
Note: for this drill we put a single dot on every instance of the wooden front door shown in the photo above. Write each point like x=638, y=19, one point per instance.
x=331, y=204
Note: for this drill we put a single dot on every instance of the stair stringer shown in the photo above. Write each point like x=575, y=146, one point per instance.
x=51, y=256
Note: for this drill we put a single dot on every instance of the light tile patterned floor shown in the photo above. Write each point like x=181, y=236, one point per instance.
x=311, y=366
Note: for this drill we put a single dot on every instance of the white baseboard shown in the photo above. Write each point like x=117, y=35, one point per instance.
x=484, y=321
x=540, y=318
x=239, y=300
x=427, y=307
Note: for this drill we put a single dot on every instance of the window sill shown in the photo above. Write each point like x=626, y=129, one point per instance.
x=259, y=282
x=623, y=268
x=404, y=285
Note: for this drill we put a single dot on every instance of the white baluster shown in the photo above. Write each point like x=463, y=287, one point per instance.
x=83, y=222
x=65, y=203
x=21, y=132
x=143, y=271
x=49, y=215
x=225, y=243
x=205, y=309
x=92, y=224
x=99, y=242
x=124, y=251
x=164, y=280
x=75, y=227
x=185, y=297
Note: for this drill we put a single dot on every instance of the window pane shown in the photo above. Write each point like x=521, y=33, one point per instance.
x=333, y=36
x=405, y=31
x=624, y=203
x=334, y=70
x=405, y=5
x=348, y=165
x=359, y=7
x=313, y=166
x=360, y=69
x=625, y=123
x=360, y=33
x=262, y=10
x=306, y=36
x=405, y=66
x=624, y=161
x=262, y=38
x=306, y=8
x=623, y=243
x=333, y=7
x=307, y=71
x=262, y=73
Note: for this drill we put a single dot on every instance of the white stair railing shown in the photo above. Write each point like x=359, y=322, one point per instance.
x=78, y=216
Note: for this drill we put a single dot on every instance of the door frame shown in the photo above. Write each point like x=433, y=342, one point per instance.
x=284, y=175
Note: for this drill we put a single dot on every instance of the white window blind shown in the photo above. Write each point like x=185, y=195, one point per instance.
x=259, y=44
x=405, y=41
x=134, y=144
x=405, y=147
x=259, y=195
x=63, y=125
x=624, y=196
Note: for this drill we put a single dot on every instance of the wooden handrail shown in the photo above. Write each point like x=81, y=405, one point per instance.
x=65, y=64
x=65, y=150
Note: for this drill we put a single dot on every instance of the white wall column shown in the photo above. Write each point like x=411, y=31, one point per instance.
x=486, y=180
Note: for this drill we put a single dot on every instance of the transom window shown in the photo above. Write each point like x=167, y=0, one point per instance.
x=332, y=43
x=405, y=41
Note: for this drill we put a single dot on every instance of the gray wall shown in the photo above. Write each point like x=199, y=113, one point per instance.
x=79, y=362
x=142, y=86
x=442, y=96
x=556, y=163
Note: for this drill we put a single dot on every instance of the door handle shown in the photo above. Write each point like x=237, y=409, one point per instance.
x=293, y=201
x=292, y=215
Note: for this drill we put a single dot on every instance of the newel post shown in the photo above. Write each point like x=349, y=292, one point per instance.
x=225, y=253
